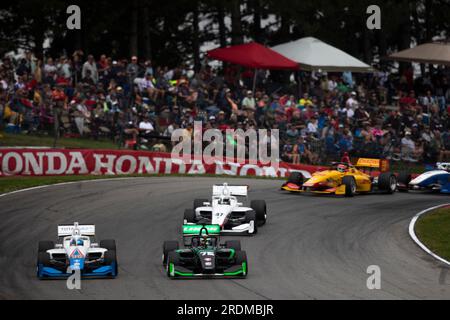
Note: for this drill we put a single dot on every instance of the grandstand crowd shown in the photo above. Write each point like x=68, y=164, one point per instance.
x=321, y=116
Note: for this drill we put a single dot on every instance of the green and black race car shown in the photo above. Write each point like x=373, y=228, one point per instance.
x=204, y=256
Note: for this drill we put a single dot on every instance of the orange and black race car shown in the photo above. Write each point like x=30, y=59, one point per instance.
x=343, y=178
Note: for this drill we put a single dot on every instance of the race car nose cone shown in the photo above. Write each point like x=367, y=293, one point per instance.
x=76, y=264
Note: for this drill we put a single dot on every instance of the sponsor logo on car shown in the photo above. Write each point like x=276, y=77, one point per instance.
x=76, y=254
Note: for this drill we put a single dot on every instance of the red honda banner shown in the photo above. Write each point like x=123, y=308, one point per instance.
x=55, y=162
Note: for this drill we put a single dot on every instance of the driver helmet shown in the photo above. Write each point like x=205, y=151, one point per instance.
x=342, y=168
x=443, y=166
x=80, y=242
x=204, y=241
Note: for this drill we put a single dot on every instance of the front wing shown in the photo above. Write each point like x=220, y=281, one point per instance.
x=412, y=187
x=235, y=272
x=243, y=229
x=48, y=272
x=339, y=191
x=299, y=189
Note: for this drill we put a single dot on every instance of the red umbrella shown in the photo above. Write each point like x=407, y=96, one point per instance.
x=253, y=55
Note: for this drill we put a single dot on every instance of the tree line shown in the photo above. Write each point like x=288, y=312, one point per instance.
x=173, y=32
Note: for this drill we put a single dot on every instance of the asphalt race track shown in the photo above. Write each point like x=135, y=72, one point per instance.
x=312, y=247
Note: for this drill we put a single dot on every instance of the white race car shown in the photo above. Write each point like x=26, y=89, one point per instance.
x=77, y=252
x=226, y=211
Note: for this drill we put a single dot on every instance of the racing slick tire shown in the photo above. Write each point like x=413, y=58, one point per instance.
x=260, y=207
x=110, y=258
x=249, y=217
x=404, y=178
x=108, y=244
x=189, y=216
x=199, y=203
x=46, y=245
x=296, y=177
x=387, y=182
x=241, y=257
x=174, y=259
x=168, y=247
x=233, y=244
x=350, y=186
x=43, y=259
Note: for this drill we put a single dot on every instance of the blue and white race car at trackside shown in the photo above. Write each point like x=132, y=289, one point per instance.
x=436, y=180
x=77, y=252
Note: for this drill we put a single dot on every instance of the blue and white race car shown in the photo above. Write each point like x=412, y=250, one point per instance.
x=77, y=252
x=437, y=180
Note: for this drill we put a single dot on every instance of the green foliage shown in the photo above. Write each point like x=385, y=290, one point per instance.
x=106, y=25
x=18, y=140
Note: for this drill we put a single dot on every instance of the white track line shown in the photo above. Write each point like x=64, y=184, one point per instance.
x=413, y=235
x=67, y=183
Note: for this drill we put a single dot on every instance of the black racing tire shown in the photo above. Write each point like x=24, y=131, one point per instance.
x=233, y=244
x=350, y=186
x=387, y=182
x=199, y=203
x=46, y=245
x=296, y=178
x=240, y=258
x=189, y=216
x=260, y=208
x=109, y=258
x=108, y=245
x=174, y=259
x=43, y=259
x=251, y=216
x=404, y=178
x=168, y=247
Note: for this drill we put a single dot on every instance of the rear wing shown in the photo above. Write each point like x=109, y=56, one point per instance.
x=68, y=230
x=191, y=231
x=443, y=166
x=225, y=190
x=381, y=164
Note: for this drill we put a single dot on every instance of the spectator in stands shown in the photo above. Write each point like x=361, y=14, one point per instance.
x=408, y=147
x=49, y=68
x=328, y=114
x=89, y=70
x=443, y=144
x=81, y=114
x=146, y=128
x=132, y=70
x=249, y=103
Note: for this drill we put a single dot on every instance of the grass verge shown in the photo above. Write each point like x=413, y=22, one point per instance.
x=433, y=229
x=22, y=140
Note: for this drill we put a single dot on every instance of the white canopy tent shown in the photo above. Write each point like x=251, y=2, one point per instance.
x=313, y=55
